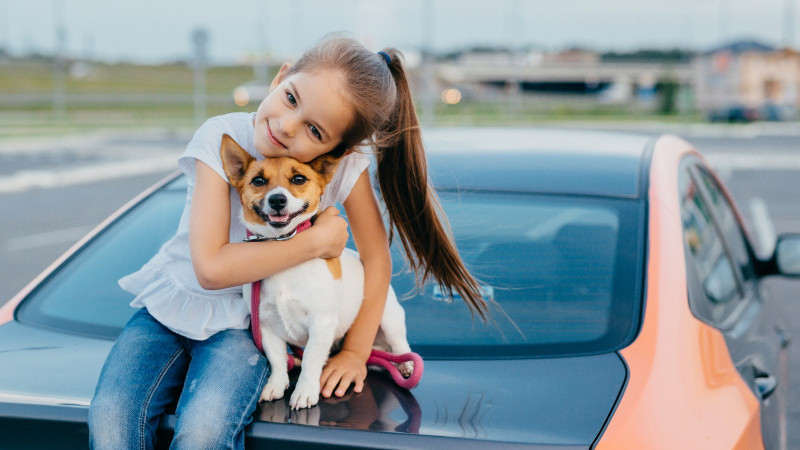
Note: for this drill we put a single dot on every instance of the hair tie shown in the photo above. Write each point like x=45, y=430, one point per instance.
x=386, y=57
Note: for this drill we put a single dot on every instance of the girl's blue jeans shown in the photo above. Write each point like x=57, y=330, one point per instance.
x=217, y=383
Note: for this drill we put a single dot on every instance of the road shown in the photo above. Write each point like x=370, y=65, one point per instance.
x=54, y=190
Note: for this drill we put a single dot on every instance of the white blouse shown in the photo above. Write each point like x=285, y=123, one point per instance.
x=167, y=286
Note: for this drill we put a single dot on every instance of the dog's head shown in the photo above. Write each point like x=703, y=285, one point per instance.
x=277, y=194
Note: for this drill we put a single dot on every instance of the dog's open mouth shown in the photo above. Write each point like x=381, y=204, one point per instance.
x=278, y=220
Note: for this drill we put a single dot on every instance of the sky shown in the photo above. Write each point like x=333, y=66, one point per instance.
x=153, y=31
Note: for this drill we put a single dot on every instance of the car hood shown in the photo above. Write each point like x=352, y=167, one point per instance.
x=549, y=402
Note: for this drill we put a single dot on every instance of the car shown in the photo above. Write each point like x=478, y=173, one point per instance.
x=734, y=113
x=627, y=304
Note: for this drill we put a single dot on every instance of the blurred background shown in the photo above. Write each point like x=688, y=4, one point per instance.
x=91, y=64
x=98, y=98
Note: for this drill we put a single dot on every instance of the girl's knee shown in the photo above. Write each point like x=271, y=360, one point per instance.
x=112, y=424
x=193, y=431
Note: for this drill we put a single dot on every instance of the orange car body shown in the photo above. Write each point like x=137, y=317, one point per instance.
x=677, y=362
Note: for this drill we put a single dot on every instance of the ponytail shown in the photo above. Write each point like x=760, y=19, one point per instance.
x=384, y=117
x=411, y=202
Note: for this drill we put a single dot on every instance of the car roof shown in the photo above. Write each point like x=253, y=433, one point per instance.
x=553, y=161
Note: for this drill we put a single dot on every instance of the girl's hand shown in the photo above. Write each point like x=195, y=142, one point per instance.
x=342, y=370
x=331, y=232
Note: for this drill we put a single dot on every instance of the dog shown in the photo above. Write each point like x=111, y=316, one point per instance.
x=314, y=303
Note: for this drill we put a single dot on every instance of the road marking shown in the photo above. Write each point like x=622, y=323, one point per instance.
x=762, y=226
x=755, y=162
x=46, y=239
x=47, y=179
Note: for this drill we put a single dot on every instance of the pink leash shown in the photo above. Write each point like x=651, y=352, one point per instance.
x=376, y=358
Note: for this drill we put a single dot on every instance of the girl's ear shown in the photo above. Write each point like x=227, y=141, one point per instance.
x=280, y=75
x=235, y=160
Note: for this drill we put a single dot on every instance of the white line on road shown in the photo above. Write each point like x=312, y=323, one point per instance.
x=45, y=239
x=45, y=179
x=762, y=225
x=740, y=161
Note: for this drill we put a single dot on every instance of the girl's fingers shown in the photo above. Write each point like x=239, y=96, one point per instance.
x=330, y=384
x=359, y=384
x=345, y=383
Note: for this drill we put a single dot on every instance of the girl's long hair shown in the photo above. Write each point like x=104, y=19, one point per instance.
x=385, y=118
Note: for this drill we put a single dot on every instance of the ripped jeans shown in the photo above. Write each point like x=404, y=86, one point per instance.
x=217, y=383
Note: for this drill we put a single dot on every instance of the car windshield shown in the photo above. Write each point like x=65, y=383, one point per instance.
x=563, y=275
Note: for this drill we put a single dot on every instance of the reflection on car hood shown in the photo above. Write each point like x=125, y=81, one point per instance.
x=558, y=401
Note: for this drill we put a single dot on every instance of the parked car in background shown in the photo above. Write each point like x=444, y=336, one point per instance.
x=734, y=114
x=628, y=311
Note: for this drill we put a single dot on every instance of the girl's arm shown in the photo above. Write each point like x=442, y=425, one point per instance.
x=369, y=234
x=219, y=263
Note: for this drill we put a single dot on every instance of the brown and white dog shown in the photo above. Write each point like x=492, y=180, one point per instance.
x=312, y=304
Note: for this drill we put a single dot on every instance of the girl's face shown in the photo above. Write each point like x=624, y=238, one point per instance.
x=304, y=116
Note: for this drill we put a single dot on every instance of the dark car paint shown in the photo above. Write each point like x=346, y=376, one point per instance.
x=477, y=400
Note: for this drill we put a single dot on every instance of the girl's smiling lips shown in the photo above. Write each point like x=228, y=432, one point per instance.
x=272, y=137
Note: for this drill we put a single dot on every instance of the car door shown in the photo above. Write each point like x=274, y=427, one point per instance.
x=725, y=292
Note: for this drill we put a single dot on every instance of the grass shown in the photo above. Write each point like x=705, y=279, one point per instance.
x=124, y=96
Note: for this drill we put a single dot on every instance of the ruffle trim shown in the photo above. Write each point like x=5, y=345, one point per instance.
x=196, y=317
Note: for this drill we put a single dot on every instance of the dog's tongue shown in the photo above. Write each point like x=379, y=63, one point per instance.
x=282, y=218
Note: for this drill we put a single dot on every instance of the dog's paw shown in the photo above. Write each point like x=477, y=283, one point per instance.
x=406, y=368
x=274, y=389
x=305, y=395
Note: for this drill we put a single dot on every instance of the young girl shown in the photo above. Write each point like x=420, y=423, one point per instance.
x=190, y=340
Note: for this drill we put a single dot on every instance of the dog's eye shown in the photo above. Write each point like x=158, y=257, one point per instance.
x=258, y=181
x=298, y=179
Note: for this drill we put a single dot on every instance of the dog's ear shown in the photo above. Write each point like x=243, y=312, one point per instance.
x=325, y=165
x=235, y=159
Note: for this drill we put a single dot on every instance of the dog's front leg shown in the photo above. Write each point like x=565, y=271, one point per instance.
x=320, y=340
x=275, y=350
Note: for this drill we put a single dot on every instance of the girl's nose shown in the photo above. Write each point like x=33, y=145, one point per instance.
x=289, y=124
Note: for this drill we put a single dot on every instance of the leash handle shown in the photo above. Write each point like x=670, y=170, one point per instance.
x=385, y=360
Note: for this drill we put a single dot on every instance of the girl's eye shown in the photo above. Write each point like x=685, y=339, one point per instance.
x=258, y=181
x=298, y=180
x=291, y=98
x=315, y=132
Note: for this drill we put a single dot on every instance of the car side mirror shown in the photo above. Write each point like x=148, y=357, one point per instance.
x=787, y=255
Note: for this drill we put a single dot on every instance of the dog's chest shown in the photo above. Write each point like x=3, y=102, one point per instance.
x=293, y=299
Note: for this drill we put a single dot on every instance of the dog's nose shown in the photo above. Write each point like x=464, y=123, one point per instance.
x=277, y=201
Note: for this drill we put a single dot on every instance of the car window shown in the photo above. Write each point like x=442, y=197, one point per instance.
x=564, y=274
x=83, y=295
x=707, y=259
x=728, y=224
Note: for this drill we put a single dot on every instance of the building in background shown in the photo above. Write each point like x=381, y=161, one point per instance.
x=748, y=80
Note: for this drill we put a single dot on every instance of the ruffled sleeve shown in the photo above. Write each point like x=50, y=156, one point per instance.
x=349, y=169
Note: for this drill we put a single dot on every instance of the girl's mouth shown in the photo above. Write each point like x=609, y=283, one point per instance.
x=273, y=139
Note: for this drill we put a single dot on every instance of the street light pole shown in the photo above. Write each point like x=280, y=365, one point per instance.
x=60, y=64
x=200, y=42
x=788, y=23
x=428, y=105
